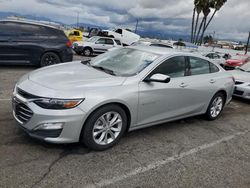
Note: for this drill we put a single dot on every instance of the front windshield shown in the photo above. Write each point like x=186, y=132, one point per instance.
x=125, y=61
x=245, y=67
x=92, y=39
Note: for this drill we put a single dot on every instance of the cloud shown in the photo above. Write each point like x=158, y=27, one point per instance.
x=163, y=15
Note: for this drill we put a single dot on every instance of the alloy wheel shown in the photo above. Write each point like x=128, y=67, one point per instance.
x=216, y=106
x=107, y=128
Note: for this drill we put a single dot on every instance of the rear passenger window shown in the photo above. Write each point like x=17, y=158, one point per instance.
x=118, y=42
x=213, y=68
x=173, y=67
x=109, y=41
x=198, y=66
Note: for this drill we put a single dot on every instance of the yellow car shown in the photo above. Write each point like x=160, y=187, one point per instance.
x=74, y=35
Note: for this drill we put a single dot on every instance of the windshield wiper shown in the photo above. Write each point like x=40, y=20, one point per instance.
x=86, y=62
x=104, y=69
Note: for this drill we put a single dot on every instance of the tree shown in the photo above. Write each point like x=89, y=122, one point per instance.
x=205, y=7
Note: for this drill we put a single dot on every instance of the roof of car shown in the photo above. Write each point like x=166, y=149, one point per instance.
x=30, y=22
x=160, y=50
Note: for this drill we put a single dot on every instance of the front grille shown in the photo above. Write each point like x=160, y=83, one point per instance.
x=237, y=92
x=22, y=112
x=26, y=95
x=238, y=82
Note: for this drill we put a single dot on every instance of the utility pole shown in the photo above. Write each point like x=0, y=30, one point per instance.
x=136, y=25
x=247, y=43
x=77, y=20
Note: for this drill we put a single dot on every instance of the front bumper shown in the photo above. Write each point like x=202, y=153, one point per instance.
x=242, y=90
x=72, y=120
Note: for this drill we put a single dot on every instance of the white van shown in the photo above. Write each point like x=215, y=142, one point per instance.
x=126, y=36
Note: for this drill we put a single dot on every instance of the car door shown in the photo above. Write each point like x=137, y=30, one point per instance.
x=109, y=43
x=163, y=101
x=201, y=82
x=100, y=45
x=9, y=52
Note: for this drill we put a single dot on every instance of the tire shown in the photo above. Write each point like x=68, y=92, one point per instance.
x=95, y=124
x=49, y=58
x=87, y=51
x=215, y=107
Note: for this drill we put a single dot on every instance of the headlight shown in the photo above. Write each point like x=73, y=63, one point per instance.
x=58, y=104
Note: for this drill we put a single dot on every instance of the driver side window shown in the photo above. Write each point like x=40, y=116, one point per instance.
x=173, y=67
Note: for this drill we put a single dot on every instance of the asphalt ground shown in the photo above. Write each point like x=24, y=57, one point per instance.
x=188, y=153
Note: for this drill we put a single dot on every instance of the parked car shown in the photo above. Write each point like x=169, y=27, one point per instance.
x=97, y=101
x=236, y=61
x=217, y=57
x=95, y=45
x=242, y=81
x=155, y=44
x=126, y=36
x=23, y=42
x=75, y=35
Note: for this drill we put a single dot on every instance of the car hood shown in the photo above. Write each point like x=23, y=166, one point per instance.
x=73, y=76
x=240, y=75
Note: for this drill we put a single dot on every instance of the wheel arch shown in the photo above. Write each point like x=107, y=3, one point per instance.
x=120, y=104
x=47, y=51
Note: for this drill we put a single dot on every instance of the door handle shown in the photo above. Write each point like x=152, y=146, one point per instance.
x=212, y=81
x=183, y=85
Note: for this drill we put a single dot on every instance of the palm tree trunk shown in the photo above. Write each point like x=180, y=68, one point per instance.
x=204, y=27
x=192, y=31
x=197, y=37
x=210, y=19
x=196, y=24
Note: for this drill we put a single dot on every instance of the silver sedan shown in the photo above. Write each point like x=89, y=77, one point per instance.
x=97, y=101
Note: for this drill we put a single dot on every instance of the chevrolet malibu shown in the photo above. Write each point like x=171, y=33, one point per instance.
x=95, y=102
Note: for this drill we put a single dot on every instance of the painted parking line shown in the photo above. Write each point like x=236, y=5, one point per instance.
x=163, y=162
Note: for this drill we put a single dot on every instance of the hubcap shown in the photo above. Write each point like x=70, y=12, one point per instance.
x=50, y=60
x=216, y=107
x=107, y=128
x=87, y=52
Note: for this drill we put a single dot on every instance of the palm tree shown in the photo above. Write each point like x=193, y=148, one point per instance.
x=198, y=9
x=216, y=4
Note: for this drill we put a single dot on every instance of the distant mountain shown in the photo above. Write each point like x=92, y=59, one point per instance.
x=4, y=15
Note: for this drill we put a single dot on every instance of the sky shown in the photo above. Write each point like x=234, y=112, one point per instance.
x=173, y=16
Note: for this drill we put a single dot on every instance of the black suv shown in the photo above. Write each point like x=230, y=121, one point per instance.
x=24, y=42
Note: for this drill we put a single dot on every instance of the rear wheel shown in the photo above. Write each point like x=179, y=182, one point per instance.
x=87, y=51
x=215, y=107
x=49, y=58
x=104, y=128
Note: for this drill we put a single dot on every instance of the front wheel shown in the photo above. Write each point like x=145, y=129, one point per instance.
x=215, y=106
x=104, y=128
x=87, y=52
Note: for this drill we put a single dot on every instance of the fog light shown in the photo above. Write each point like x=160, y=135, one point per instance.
x=49, y=126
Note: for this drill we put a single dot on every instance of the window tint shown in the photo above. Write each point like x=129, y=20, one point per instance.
x=100, y=41
x=118, y=42
x=76, y=33
x=109, y=41
x=23, y=30
x=198, y=66
x=173, y=67
x=210, y=56
x=119, y=31
x=213, y=68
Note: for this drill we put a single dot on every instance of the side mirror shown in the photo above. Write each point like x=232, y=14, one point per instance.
x=158, y=78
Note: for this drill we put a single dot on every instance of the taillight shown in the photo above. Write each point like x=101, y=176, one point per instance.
x=69, y=44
